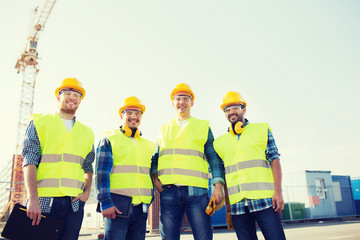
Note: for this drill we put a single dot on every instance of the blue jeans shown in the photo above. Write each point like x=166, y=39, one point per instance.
x=61, y=209
x=174, y=201
x=268, y=220
x=130, y=228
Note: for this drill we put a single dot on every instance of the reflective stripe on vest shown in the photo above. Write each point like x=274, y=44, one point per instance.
x=130, y=169
x=54, y=158
x=248, y=174
x=180, y=151
x=134, y=192
x=181, y=154
x=54, y=183
x=60, y=170
x=130, y=173
x=251, y=187
x=187, y=172
x=247, y=164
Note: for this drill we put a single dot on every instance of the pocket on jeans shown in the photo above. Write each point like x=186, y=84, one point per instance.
x=164, y=189
x=81, y=203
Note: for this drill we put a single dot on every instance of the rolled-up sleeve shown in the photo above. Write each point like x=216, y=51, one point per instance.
x=155, y=159
x=271, y=151
x=89, y=159
x=31, y=151
x=215, y=162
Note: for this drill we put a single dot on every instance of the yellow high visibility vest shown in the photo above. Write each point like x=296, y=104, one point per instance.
x=63, y=153
x=130, y=174
x=181, y=154
x=247, y=172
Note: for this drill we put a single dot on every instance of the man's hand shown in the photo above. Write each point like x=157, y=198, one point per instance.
x=82, y=197
x=34, y=211
x=33, y=206
x=87, y=188
x=157, y=183
x=218, y=193
x=111, y=212
x=278, y=201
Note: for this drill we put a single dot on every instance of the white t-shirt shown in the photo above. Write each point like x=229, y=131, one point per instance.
x=68, y=123
x=133, y=139
x=182, y=123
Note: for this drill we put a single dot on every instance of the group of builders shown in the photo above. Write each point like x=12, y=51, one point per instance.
x=59, y=153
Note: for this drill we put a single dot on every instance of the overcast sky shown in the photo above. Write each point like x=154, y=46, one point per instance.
x=296, y=63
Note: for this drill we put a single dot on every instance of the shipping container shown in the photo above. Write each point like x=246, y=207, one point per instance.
x=320, y=189
x=298, y=211
x=355, y=184
x=357, y=207
x=343, y=196
x=314, y=189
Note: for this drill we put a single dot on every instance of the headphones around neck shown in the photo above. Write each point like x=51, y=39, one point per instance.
x=236, y=129
x=128, y=132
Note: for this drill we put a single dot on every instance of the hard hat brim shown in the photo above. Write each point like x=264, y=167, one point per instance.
x=80, y=89
x=176, y=90
x=142, y=107
x=224, y=105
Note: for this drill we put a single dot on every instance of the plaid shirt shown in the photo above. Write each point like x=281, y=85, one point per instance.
x=32, y=155
x=104, y=165
x=271, y=154
x=216, y=166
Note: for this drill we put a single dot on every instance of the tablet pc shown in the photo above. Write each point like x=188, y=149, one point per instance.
x=122, y=202
x=19, y=226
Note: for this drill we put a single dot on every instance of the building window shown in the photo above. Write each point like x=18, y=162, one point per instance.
x=320, y=188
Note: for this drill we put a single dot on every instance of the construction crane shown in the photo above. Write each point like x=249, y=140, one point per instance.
x=27, y=64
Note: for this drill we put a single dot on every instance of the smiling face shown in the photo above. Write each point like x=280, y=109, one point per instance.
x=182, y=104
x=69, y=101
x=235, y=113
x=131, y=117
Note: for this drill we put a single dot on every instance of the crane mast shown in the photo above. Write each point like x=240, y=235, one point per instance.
x=27, y=64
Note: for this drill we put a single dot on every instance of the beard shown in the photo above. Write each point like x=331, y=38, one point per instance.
x=68, y=110
x=133, y=126
x=239, y=118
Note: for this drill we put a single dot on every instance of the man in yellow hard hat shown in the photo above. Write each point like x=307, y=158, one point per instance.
x=180, y=169
x=123, y=161
x=58, y=154
x=252, y=172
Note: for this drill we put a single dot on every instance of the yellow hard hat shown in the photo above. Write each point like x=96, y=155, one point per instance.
x=182, y=87
x=131, y=102
x=71, y=83
x=232, y=98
